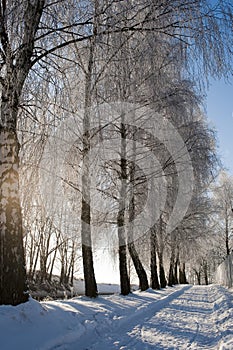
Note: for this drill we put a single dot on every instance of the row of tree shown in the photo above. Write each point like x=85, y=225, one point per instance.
x=141, y=58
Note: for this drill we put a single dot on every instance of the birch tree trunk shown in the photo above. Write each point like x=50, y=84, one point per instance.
x=124, y=277
x=160, y=249
x=227, y=233
x=13, y=288
x=171, y=278
x=182, y=274
x=88, y=268
x=87, y=254
x=142, y=276
x=16, y=65
x=176, y=266
x=153, y=259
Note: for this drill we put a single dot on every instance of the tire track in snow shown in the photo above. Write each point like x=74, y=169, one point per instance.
x=192, y=343
x=184, y=320
x=190, y=318
x=111, y=339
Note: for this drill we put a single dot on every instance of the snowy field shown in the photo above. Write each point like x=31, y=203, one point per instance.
x=182, y=317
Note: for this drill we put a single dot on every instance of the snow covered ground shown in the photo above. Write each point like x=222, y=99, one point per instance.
x=182, y=317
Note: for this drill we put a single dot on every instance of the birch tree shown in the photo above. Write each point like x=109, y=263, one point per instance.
x=35, y=33
x=223, y=218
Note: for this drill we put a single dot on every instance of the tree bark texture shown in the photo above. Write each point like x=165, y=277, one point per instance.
x=124, y=277
x=141, y=273
x=153, y=260
x=13, y=288
x=182, y=274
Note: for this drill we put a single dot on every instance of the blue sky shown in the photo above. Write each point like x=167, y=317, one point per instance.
x=219, y=105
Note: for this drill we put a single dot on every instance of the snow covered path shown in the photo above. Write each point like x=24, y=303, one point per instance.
x=192, y=318
x=182, y=318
